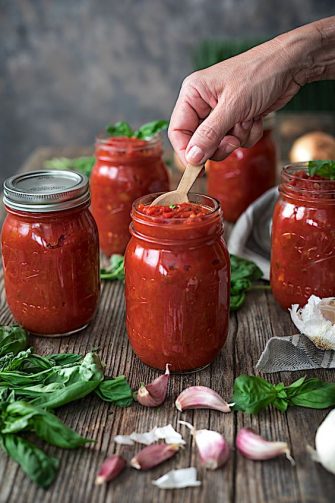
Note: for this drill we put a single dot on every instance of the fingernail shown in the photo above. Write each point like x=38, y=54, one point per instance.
x=195, y=155
x=230, y=147
x=246, y=124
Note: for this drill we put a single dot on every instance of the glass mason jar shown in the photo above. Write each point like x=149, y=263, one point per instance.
x=50, y=252
x=177, y=279
x=303, y=237
x=125, y=169
x=244, y=175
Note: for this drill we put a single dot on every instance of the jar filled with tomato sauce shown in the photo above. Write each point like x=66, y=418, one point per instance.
x=50, y=252
x=244, y=175
x=125, y=169
x=303, y=237
x=177, y=277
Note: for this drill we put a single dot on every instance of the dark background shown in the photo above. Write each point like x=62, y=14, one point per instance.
x=68, y=67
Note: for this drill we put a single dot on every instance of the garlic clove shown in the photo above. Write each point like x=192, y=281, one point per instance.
x=154, y=394
x=153, y=455
x=201, y=397
x=316, y=321
x=178, y=479
x=325, y=443
x=110, y=469
x=253, y=446
x=212, y=447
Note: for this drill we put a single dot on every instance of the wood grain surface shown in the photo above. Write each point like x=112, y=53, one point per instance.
x=241, y=480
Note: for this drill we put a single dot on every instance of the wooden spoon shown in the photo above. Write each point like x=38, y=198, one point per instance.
x=179, y=195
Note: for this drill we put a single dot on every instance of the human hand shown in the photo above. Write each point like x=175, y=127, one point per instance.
x=221, y=108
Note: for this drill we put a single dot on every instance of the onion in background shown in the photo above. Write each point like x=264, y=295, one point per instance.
x=313, y=146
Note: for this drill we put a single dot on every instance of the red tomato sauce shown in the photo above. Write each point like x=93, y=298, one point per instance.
x=243, y=176
x=177, y=285
x=125, y=169
x=303, y=239
x=51, y=266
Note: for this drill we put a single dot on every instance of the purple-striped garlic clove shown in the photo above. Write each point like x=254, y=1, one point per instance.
x=153, y=455
x=110, y=469
x=201, y=397
x=154, y=394
x=255, y=447
x=213, y=449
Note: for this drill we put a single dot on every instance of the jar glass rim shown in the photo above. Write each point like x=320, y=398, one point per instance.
x=121, y=143
x=193, y=197
x=316, y=188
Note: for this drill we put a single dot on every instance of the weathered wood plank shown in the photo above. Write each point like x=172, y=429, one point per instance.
x=241, y=481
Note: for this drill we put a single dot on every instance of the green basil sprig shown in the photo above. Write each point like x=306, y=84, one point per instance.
x=252, y=394
x=13, y=339
x=116, y=391
x=115, y=270
x=144, y=132
x=322, y=168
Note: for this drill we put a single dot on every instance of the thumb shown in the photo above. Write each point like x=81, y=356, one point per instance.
x=208, y=136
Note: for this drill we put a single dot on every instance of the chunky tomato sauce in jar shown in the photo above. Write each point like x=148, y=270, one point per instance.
x=244, y=175
x=303, y=237
x=125, y=169
x=50, y=252
x=177, y=283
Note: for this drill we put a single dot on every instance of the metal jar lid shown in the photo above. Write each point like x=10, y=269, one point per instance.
x=46, y=191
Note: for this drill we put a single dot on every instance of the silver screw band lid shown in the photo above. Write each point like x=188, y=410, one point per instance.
x=46, y=191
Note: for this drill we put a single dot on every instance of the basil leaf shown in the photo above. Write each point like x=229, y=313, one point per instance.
x=116, y=390
x=82, y=164
x=13, y=339
x=40, y=468
x=325, y=169
x=25, y=416
x=243, y=274
x=115, y=271
x=120, y=129
x=150, y=129
x=312, y=393
x=251, y=394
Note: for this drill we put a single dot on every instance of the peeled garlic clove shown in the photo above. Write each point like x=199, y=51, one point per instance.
x=255, y=447
x=154, y=394
x=153, y=455
x=201, y=397
x=110, y=469
x=325, y=443
x=212, y=448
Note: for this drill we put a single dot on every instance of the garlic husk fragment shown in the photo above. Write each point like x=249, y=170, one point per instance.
x=110, y=469
x=255, y=447
x=212, y=448
x=166, y=433
x=316, y=320
x=154, y=394
x=153, y=455
x=325, y=443
x=178, y=479
x=201, y=397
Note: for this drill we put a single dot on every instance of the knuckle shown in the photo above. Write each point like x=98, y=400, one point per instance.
x=207, y=132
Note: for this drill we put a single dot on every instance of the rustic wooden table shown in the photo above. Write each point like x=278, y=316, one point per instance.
x=241, y=480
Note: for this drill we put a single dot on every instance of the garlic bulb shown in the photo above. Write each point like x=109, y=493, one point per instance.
x=325, y=443
x=316, y=321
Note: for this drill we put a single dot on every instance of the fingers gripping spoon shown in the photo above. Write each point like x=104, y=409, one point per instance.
x=179, y=195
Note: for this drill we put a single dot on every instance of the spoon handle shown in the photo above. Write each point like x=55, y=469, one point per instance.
x=190, y=175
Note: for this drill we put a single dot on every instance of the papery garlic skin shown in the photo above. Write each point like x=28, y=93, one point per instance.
x=253, y=446
x=154, y=394
x=110, y=469
x=325, y=443
x=310, y=321
x=153, y=455
x=213, y=449
x=178, y=479
x=201, y=397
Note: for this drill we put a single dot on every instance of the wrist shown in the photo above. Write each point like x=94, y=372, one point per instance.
x=310, y=51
